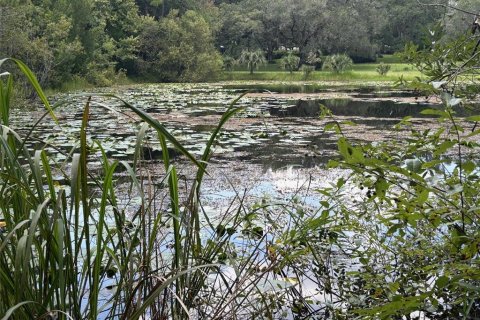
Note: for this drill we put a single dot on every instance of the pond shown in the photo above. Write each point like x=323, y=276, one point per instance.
x=275, y=150
x=279, y=128
x=275, y=130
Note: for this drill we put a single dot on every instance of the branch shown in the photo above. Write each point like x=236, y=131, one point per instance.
x=445, y=6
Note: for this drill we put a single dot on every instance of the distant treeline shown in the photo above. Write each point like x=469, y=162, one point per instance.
x=184, y=40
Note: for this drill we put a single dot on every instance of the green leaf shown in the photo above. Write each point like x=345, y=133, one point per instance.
x=435, y=112
x=34, y=82
x=423, y=196
x=333, y=164
x=344, y=148
x=469, y=286
x=469, y=166
x=431, y=164
x=414, y=165
x=473, y=118
x=443, y=147
x=10, y=311
x=381, y=187
x=340, y=183
x=332, y=126
x=348, y=123
x=394, y=286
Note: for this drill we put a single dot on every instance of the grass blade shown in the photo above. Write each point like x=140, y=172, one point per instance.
x=34, y=82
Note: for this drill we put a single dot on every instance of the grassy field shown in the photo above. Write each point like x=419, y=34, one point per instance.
x=359, y=72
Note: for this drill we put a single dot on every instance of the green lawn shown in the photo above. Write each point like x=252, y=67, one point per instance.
x=359, y=72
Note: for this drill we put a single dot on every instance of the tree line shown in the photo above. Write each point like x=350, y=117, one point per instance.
x=187, y=40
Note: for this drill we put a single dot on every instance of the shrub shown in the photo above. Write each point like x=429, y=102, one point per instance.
x=306, y=70
x=337, y=63
x=290, y=62
x=383, y=69
x=314, y=58
x=253, y=59
x=229, y=63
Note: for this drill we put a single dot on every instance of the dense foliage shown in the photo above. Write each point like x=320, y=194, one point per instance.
x=178, y=48
x=337, y=63
x=181, y=40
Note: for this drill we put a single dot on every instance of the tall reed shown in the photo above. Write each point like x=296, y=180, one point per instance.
x=77, y=252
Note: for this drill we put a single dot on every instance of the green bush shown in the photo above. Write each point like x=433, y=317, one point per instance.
x=406, y=211
x=252, y=59
x=337, y=63
x=307, y=70
x=229, y=63
x=289, y=62
x=383, y=68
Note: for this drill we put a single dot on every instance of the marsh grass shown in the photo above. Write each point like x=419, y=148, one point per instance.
x=78, y=252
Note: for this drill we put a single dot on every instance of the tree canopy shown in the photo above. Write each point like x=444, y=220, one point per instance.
x=98, y=39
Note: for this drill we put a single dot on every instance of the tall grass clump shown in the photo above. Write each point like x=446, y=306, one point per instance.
x=383, y=68
x=79, y=252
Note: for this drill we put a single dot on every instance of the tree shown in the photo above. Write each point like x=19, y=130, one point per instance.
x=301, y=22
x=108, y=34
x=407, y=21
x=240, y=28
x=352, y=28
x=161, y=8
x=178, y=48
x=253, y=59
x=457, y=22
x=40, y=36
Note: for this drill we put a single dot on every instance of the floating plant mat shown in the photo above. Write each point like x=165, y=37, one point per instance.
x=275, y=129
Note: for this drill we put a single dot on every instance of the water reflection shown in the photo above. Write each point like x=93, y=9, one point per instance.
x=357, y=108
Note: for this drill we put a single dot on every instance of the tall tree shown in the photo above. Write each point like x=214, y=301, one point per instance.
x=407, y=21
x=178, y=48
x=458, y=22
